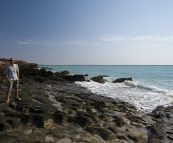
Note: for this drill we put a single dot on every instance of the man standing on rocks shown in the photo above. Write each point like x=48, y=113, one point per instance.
x=12, y=74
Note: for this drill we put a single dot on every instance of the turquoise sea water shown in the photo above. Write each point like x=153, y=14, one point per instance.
x=151, y=86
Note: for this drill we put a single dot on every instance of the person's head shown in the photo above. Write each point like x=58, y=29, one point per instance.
x=11, y=61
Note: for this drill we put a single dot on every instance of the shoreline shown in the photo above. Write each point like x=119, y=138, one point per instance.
x=66, y=112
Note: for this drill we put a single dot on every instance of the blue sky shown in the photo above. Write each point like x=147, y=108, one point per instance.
x=82, y=32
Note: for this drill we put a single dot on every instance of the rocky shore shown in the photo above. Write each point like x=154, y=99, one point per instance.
x=56, y=110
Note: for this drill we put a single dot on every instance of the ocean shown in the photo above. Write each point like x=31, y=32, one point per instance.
x=152, y=86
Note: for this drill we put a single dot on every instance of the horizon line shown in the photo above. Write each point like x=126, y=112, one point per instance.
x=99, y=65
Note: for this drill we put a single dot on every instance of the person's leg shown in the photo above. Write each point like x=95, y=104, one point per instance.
x=8, y=97
x=16, y=89
x=17, y=97
x=10, y=86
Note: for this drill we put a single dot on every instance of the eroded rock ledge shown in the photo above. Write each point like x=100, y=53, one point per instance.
x=73, y=114
x=54, y=109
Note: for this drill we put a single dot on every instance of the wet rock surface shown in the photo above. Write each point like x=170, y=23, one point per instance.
x=65, y=112
x=119, y=80
x=99, y=79
x=162, y=131
x=55, y=110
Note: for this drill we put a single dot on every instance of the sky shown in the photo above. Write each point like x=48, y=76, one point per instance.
x=87, y=32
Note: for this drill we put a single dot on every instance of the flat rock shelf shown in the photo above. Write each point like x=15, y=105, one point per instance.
x=54, y=109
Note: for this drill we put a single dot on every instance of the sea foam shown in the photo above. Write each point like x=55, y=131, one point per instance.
x=145, y=97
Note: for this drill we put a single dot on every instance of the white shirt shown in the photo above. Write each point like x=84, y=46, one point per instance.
x=11, y=71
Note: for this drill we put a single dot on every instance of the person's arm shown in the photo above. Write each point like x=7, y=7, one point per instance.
x=6, y=73
x=18, y=72
x=7, y=76
x=18, y=75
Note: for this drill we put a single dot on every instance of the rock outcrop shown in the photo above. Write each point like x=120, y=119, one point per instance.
x=162, y=131
x=119, y=80
x=98, y=79
x=74, y=78
x=60, y=111
x=4, y=61
x=29, y=73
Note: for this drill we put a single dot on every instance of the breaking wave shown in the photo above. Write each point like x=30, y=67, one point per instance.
x=145, y=97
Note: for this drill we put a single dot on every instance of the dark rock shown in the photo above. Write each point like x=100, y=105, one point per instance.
x=74, y=78
x=106, y=134
x=88, y=118
x=13, y=104
x=162, y=130
x=64, y=73
x=46, y=68
x=72, y=114
x=119, y=80
x=98, y=79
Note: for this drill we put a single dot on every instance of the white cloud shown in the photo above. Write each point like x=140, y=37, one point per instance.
x=113, y=38
x=140, y=38
x=22, y=42
x=77, y=42
x=49, y=43
x=35, y=41
x=136, y=38
x=165, y=38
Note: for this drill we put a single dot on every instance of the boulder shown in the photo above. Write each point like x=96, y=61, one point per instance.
x=98, y=79
x=119, y=80
x=64, y=73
